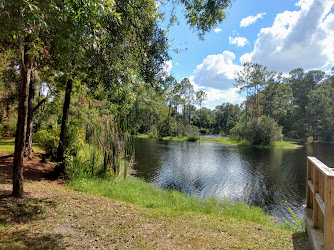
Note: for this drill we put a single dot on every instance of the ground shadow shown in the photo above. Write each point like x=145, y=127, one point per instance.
x=15, y=214
x=301, y=242
x=34, y=169
x=23, y=239
x=18, y=211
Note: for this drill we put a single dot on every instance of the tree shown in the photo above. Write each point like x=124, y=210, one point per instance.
x=70, y=53
x=201, y=96
x=23, y=25
x=253, y=78
x=227, y=116
x=278, y=98
x=302, y=84
x=206, y=14
x=320, y=111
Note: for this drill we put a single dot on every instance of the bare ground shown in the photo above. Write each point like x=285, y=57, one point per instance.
x=55, y=217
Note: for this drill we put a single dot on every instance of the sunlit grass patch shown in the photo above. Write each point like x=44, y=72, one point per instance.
x=168, y=202
x=7, y=147
x=285, y=144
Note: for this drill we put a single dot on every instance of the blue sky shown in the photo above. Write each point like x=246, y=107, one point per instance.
x=281, y=35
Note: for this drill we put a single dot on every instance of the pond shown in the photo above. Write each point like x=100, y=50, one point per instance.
x=273, y=179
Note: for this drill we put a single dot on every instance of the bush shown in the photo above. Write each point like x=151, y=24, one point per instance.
x=309, y=140
x=8, y=127
x=167, y=127
x=263, y=131
x=238, y=132
x=48, y=140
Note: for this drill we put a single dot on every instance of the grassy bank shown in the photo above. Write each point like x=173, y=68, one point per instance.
x=226, y=141
x=171, y=202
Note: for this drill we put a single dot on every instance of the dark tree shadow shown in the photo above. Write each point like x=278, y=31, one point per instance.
x=33, y=170
x=15, y=213
x=301, y=242
x=18, y=211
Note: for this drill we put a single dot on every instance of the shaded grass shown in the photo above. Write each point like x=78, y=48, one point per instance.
x=168, y=202
x=7, y=147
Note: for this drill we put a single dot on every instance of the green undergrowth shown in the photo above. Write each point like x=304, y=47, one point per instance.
x=168, y=202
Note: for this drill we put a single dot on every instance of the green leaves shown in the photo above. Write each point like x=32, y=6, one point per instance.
x=203, y=15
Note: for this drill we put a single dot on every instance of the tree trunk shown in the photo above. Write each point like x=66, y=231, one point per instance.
x=246, y=106
x=26, y=68
x=200, y=115
x=184, y=114
x=28, y=145
x=60, y=169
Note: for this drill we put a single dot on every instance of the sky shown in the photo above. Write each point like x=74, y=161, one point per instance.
x=281, y=35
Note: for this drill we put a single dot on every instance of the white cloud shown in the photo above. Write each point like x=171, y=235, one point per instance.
x=217, y=96
x=216, y=77
x=239, y=41
x=301, y=38
x=217, y=71
x=251, y=19
x=217, y=30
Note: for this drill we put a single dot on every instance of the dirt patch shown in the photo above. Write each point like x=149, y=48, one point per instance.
x=33, y=169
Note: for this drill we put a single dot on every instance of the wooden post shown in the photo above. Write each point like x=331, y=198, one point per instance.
x=315, y=203
x=308, y=178
x=329, y=214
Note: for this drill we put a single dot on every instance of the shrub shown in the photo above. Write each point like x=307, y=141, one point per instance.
x=48, y=140
x=8, y=127
x=309, y=140
x=263, y=131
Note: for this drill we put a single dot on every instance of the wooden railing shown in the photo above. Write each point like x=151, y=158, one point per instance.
x=320, y=198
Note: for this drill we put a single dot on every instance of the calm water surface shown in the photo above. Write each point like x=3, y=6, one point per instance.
x=273, y=179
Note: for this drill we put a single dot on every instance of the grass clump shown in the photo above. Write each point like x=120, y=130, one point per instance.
x=168, y=202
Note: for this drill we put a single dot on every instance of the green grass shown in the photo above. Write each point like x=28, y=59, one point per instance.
x=176, y=138
x=172, y=203
x=145, y=136
x=225, y=141
x=285, y=144
x=7, y=146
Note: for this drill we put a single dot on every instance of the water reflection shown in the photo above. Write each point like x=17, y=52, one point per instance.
x=273, y=179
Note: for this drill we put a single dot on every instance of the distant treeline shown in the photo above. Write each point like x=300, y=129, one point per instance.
x=299, y=106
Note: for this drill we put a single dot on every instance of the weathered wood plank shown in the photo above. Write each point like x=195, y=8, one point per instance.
x=322, y=167
x=320, y=202
x=329, y=215
x=316, y=172
x=310, y=184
